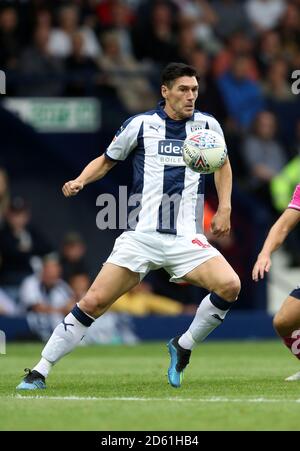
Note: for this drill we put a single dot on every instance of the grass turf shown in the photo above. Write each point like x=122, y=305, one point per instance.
x=227, y=386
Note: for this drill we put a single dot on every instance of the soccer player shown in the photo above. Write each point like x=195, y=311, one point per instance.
x=287, y=319
x=153, y=241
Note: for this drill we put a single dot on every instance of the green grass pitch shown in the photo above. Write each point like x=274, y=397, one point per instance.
x=227, y=386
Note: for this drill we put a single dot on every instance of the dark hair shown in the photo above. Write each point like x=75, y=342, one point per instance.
x=175, y=70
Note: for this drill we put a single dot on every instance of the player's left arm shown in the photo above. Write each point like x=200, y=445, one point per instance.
x=220, y=224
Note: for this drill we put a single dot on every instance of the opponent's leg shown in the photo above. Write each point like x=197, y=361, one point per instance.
x=287, y=324
x=111, y=283
x=218, y=277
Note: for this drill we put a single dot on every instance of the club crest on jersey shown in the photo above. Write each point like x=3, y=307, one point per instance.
x=198, y=125
x=170, y=152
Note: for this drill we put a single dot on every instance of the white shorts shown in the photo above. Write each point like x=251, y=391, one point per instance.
x=142, y=252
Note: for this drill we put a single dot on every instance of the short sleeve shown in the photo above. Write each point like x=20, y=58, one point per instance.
x=216, y=127
x=295, y=202
x=125, y=139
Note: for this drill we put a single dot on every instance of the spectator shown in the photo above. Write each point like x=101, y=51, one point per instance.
x=109, y=13
x=41, y=70
x=19, y=242
x=231, y=18
x=7, y=305
x=187, y=41
x=200, y=18
x=72, y=256
x=289, y=29
x=264, y=14
x=60, y=43
x=269, y=49
x=46, y=298
x=236, y=44
x=43, y=18
x=9, y=38
x=80, y=67
x=263, y=155
x=140, y=301
x=277, y=85
x=119, y=20
x=242, y=96
x=4, y=194
x=124, y=74
x=209, y=97
x=79, y=283
x=158, y=41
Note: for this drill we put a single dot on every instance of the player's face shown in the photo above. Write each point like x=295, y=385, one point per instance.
x=180, y=97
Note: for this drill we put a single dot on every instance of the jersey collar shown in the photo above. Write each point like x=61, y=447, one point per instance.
x=161, y=112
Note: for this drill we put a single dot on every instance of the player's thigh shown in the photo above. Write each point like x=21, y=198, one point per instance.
x=287, y=319
x=111, y=283
x=216, y=275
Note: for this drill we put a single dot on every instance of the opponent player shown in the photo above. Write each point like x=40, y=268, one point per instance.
x=163, y=235
x=287, y=320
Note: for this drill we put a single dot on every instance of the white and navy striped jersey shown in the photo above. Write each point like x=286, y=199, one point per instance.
x=167, y=196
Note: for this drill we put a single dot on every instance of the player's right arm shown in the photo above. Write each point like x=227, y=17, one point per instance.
x=278, y=233
x=122, y=144
x=95, y=170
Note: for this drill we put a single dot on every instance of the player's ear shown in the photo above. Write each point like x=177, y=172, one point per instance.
x=164, y=90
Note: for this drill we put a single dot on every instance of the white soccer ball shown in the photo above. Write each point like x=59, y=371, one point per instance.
x=204, y=151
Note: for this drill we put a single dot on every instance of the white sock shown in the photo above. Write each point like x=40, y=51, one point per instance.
x=66, y=336
x=207, y=318
x=43, y=367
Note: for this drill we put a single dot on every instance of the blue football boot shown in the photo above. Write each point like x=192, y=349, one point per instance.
x=179, y=360
x=33, y=380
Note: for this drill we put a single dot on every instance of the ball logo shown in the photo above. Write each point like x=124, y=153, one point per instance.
x=200, y=163
x=204, y=140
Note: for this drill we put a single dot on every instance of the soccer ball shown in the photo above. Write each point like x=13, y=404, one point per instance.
x=204, y=151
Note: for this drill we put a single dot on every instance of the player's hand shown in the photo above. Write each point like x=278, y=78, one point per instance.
x=72, y=188
x=262, y=265
x=220, y=224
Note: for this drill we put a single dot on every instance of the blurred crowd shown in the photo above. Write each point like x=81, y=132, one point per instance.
x=249, y=46
x=245, y=53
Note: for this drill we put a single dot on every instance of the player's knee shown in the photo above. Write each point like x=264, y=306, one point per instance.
x=94, y=303
x=282, y=325
x=231, y=288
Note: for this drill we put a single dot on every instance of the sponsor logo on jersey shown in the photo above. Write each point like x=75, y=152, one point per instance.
x=154, y=127
x=170, y=152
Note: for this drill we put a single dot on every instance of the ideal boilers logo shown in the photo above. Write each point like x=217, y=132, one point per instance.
x=170, y=152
